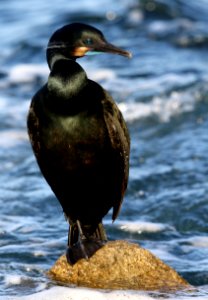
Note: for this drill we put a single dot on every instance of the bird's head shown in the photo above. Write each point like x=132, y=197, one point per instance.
x=77, y=40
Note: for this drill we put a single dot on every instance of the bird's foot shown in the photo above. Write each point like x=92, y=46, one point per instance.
x=84, y=240
x=84, y=248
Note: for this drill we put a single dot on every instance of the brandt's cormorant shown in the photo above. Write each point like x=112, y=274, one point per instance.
x=80, y=138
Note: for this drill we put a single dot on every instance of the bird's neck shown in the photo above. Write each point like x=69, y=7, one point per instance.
x=56, y=58
x=67, y=78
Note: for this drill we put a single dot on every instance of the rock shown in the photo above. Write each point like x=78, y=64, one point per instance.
x=119, y=265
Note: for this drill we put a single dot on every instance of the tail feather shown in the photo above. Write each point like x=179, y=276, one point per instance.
x=84, y=241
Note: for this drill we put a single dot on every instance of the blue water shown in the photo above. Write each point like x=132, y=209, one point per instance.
x=163, y=94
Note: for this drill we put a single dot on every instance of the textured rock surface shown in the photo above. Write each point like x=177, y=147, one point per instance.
x=119, y=265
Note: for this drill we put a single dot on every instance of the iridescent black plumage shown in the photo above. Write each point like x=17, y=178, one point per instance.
x=80, y=139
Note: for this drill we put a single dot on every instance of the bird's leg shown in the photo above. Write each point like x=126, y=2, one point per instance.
x=73, y=234
x=84, y=241
x=81, y=239
x=94, y=232
x=75, y=250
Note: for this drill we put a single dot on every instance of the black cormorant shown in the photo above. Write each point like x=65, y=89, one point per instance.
x=80, y=138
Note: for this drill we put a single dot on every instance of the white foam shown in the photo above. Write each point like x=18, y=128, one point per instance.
x=142, y=226
x=102, y=74
x=65, y=293
x=26, y=73
x=39, y=253
x=12, y=280
x=199, y=241
x=162, y=107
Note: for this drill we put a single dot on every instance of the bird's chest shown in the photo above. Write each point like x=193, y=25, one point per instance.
x=77, y=129
x=76, y=139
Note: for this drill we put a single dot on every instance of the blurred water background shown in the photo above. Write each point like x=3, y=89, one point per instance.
x=162, y=93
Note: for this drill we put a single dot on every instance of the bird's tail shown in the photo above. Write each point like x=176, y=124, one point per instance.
x=84, y=240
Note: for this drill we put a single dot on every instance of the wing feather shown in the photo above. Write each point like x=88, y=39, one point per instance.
x=120, y=142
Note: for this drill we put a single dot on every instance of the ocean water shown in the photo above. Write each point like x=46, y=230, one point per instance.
x=163, y=94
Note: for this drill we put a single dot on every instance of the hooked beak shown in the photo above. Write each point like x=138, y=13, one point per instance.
x=99, y=48
x=109, y=48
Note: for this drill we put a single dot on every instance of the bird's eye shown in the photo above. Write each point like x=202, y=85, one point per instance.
x=88, y=41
